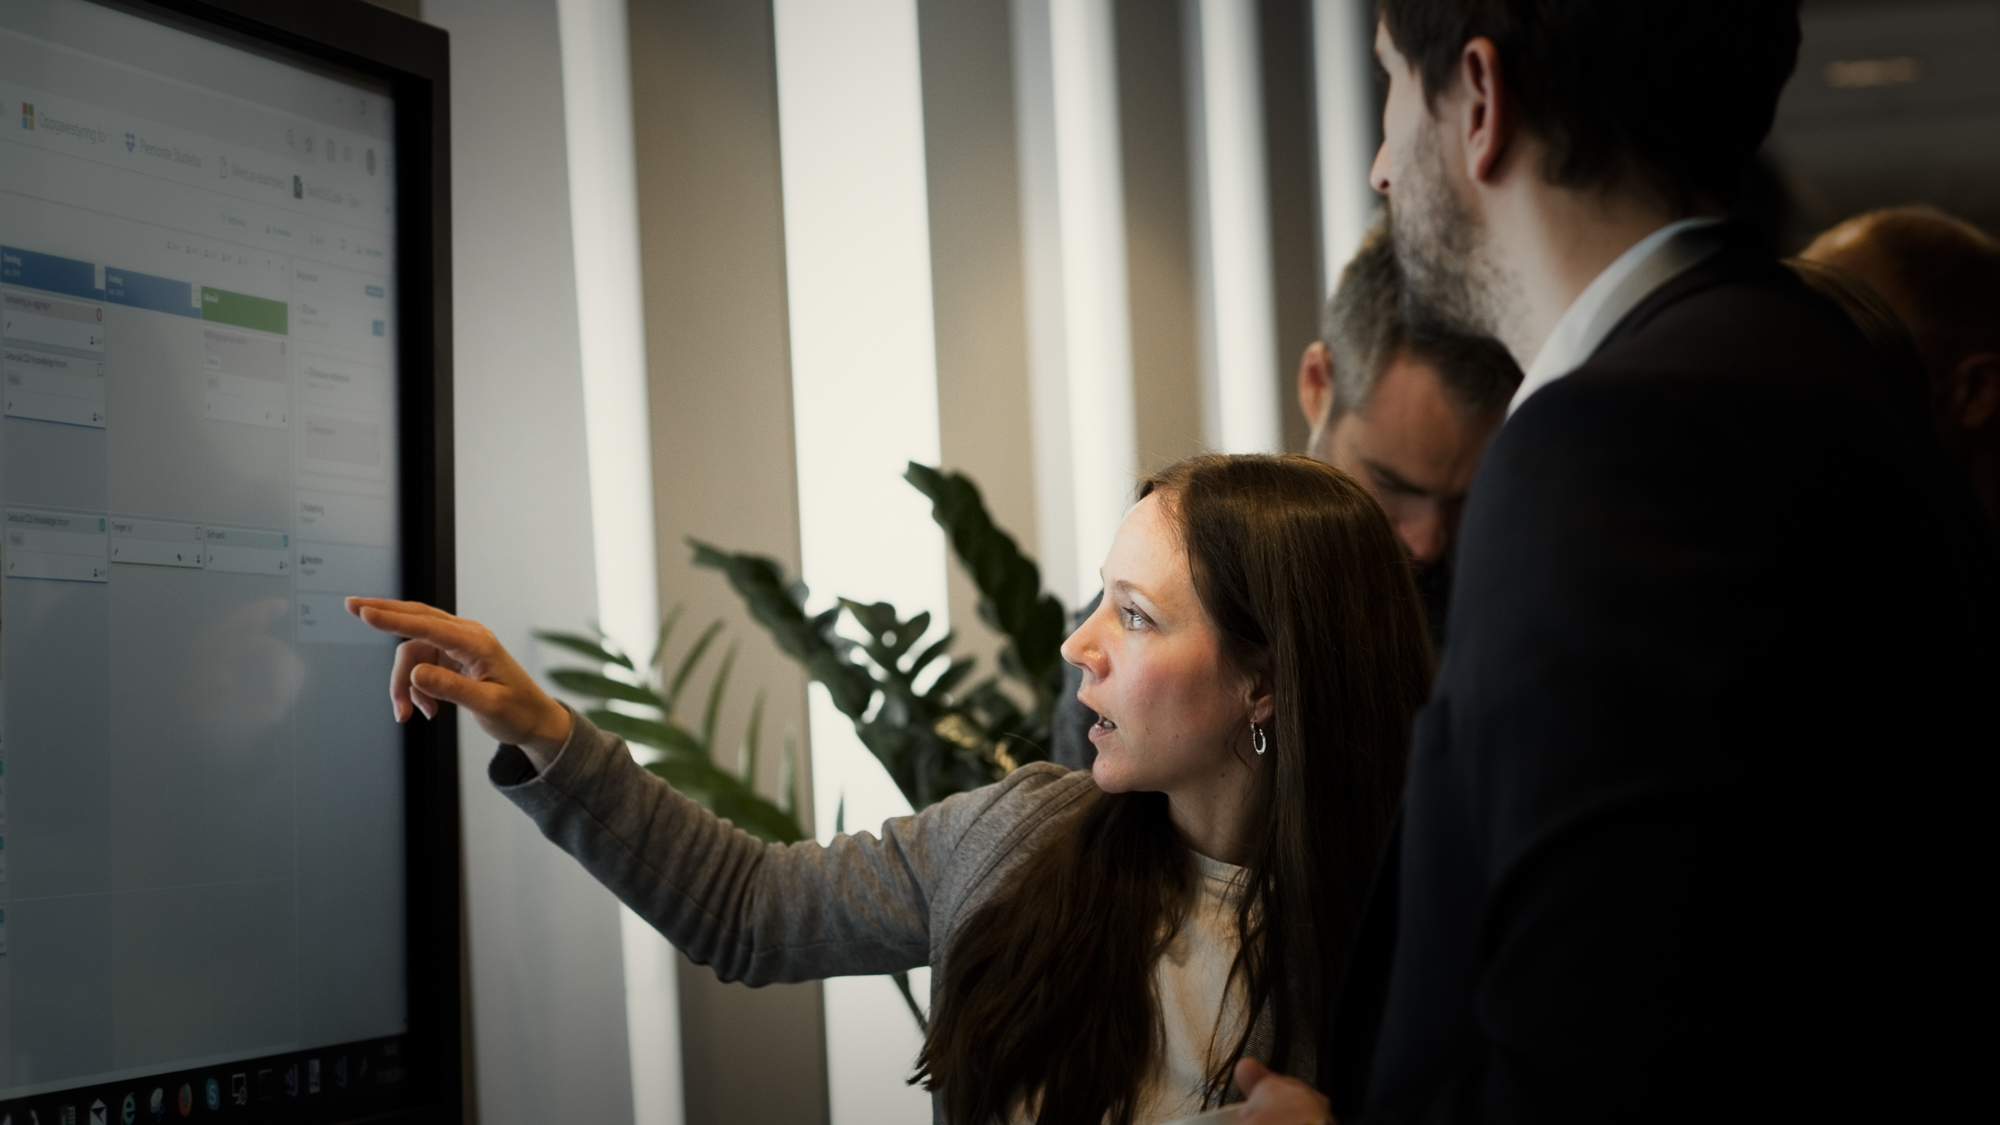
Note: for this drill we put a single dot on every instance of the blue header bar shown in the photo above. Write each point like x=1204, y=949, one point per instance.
x=47, y=272
x=79, y=279
x=158, y=294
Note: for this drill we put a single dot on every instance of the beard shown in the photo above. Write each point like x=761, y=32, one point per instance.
x=1450, y=282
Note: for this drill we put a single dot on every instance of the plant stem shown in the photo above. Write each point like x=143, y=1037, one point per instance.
x=903, y=986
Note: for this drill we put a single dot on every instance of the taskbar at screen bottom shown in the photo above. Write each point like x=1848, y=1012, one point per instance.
x=327, y=1084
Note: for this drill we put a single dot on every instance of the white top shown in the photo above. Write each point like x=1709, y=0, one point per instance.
x=1201, y=1008
x=1651, y=262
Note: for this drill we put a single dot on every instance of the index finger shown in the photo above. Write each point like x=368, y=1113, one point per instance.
x=356, y=604
x=452, y=634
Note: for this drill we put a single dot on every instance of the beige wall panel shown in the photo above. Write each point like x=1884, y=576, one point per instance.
x=712, y=250
x=978, y=289
x=1291, y=156
x=1159, y=231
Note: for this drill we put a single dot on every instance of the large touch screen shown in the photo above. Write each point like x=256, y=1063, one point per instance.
x=201, y=848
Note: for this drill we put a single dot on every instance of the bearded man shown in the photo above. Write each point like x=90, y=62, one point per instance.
x=1700, y=818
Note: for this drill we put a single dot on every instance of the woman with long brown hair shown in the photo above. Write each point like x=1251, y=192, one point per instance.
x=1107, y=945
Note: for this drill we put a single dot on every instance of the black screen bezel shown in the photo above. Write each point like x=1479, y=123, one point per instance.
x=410, y=60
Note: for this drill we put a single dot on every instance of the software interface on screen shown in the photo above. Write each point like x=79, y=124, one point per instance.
x=201, y=850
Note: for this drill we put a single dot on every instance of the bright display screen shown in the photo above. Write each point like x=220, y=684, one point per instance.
x=201, y=794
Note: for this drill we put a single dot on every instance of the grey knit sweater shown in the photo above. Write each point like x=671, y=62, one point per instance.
x=762, y=913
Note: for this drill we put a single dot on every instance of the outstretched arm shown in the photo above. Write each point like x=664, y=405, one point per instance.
x=752, y=911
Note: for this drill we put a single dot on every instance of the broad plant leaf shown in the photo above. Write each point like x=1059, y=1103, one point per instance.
x=1010, y=584
x=778, y=606
x=953, y=675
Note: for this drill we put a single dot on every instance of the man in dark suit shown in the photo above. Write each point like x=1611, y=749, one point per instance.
x=1700, y=822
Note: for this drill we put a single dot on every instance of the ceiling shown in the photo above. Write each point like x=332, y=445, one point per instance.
x=1892, y=103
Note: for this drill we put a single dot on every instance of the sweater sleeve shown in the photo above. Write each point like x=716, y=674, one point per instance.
x=753, y=912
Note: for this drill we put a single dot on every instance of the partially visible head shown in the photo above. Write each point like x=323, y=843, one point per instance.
x=1880, y=324
x=1667, y=100
x=1406, y=413
x=1942, y=277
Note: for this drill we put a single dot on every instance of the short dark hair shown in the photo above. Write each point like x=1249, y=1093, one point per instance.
x=1679, y=93
x=1364, y=331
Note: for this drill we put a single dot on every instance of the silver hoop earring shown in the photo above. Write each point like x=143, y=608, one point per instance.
x=1258, y=742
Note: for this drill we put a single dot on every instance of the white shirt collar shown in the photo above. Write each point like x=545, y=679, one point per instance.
x=1652, y=262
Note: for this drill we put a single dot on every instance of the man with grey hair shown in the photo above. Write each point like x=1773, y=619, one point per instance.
x=1406, y=413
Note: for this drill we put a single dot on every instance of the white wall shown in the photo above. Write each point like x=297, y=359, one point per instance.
x=1047, y=318
x=1233, y=229
x=610, y=304
x=1079, y=322
x=865, y=404
x=548, y=1005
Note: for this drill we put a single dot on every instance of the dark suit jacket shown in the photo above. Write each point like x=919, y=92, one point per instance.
x=1700, y=819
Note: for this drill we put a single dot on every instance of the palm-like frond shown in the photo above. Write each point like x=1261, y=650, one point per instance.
x=687, y=756
x=934, y=740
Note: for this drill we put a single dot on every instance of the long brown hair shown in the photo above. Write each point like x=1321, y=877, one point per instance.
x=1047, y=991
